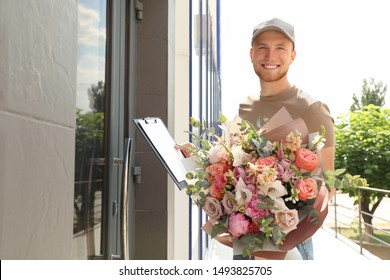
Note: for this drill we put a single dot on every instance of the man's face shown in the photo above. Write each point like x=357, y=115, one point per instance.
x=272, y=54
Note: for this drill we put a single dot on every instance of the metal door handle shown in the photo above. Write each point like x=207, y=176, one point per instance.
x=124, y=226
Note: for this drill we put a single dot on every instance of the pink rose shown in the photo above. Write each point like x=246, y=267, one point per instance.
x=238, y=225
x=213, y=208
x=307, y=188
x=254, y=212
x=287, y=219
x=306, y=159
x=229, y=204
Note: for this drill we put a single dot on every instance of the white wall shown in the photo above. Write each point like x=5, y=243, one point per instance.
x=38, y=52
x=178, y=216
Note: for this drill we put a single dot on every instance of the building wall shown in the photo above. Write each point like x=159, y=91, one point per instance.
x=153, y=99
x=162, y=90
x=38, y=50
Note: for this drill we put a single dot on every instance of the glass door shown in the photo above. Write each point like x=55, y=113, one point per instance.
x=103, y=190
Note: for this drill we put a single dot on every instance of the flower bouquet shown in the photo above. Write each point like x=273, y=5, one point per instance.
x=257, y=190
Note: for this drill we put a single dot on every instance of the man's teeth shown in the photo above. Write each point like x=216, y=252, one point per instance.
x=270, y=66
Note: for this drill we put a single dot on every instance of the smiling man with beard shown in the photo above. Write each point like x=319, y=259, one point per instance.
x=272, y=53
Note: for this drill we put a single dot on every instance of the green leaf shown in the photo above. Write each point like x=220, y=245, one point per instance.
x=217, y=229
x=338, y=172
x=222, y=118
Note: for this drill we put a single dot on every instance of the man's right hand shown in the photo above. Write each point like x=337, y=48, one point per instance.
x=185, y=148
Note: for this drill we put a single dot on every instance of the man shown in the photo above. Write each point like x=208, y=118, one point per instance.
x=272, y=53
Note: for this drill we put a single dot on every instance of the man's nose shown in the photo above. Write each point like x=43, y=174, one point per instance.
x=269, y=54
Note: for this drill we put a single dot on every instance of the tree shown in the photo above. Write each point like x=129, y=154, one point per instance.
x=96, y=97
x=89, y=146
x=363, y=147
x=372, y=93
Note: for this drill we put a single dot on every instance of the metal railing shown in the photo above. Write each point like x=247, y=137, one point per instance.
x=345, y=216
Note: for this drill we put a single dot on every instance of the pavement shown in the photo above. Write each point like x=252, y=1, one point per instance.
x=326, y=247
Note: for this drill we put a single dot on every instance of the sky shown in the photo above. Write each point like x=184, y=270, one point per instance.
x=338, y=44
x=91, y=48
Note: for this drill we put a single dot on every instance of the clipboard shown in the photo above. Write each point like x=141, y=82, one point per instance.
x=158, y=137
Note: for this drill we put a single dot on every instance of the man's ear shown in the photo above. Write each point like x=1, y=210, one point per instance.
x=251, y=54
x=293, y=55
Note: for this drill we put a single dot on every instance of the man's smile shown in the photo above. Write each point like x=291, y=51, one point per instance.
x=271, y=67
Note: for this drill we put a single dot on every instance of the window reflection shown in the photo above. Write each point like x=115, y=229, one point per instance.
x=89, y=150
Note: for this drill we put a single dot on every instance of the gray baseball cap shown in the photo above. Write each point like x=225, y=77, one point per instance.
x=277, y=25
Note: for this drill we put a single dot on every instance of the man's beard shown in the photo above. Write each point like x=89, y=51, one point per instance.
x=268, y=79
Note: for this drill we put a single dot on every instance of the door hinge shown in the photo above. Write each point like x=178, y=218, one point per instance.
x=139, y=10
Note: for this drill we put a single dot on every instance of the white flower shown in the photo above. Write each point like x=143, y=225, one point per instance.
x=243, y=195
x=292, y=199
x=316, y=141
x=239, y=156
x=279, y=204
x=274, y=189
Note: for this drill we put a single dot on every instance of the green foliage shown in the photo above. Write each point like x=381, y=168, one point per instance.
x=372, y=93
x=344, y=181
x=217, y=229
x=89, y=128
x=363, y=145
x=89, y=140
x=253, y=242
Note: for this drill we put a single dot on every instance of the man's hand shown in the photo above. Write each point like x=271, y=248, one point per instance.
x=186, y=148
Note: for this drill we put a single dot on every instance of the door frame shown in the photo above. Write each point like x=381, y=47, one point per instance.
x=120, y=106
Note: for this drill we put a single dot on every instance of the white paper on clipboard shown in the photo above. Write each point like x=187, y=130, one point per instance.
x=157, y=135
